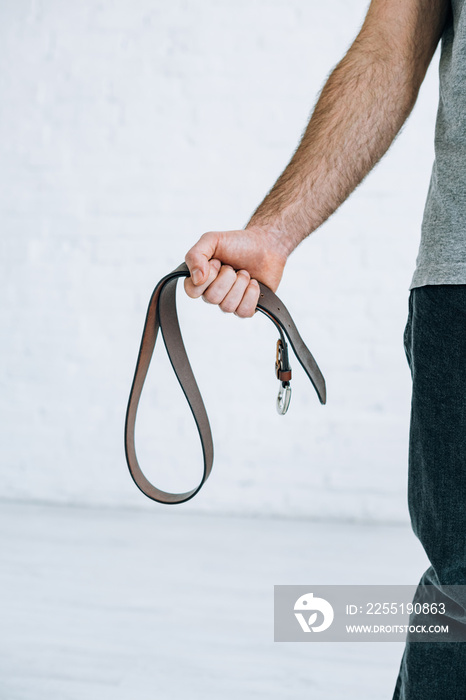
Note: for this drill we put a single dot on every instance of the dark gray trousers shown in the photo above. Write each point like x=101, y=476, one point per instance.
x=435, y=345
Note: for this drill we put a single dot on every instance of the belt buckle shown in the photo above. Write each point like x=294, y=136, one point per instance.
x=282, y=367
x=283, y=398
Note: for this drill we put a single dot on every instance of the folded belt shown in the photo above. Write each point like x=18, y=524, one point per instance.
x=161, y=314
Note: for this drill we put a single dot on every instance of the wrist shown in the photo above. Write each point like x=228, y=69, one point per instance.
x=272, y=237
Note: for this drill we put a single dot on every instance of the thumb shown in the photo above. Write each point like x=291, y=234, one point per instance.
x=197, y=259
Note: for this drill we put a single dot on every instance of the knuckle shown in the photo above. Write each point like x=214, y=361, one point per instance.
x=227, y=307
x=207, y=296
x=205, y=239
x=228, y=272
x=211, y=296
x=242, y=312
x=255, y=293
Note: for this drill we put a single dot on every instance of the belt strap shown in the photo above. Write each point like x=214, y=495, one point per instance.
x=162, y=314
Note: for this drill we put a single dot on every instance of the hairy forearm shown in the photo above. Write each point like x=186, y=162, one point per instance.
x=361, y=109
x=358, y=114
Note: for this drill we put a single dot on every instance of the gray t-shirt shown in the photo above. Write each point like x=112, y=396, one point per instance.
x=442, y=252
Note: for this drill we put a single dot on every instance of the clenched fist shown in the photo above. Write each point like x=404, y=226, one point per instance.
x=226, y=266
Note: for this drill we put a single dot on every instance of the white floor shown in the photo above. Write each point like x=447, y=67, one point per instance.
x=120, y=604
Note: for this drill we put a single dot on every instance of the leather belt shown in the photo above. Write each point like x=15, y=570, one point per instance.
x=162, y=315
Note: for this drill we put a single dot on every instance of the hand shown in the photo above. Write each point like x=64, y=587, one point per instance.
x=226, y=266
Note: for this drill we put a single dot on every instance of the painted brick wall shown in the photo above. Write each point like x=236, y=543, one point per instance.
x=126, y=131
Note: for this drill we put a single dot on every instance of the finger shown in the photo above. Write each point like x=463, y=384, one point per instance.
x=198, y=257
x=195, y=291
x=247, y=306
x=232, y=300
x=219, y=288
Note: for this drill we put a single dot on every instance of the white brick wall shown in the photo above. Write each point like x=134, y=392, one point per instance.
x=126, y=131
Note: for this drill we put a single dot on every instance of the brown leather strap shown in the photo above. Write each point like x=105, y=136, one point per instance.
x=162, y=314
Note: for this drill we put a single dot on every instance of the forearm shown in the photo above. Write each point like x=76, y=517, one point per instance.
x=361, y=109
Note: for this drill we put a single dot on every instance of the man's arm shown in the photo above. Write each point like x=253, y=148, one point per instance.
x=361, y=109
